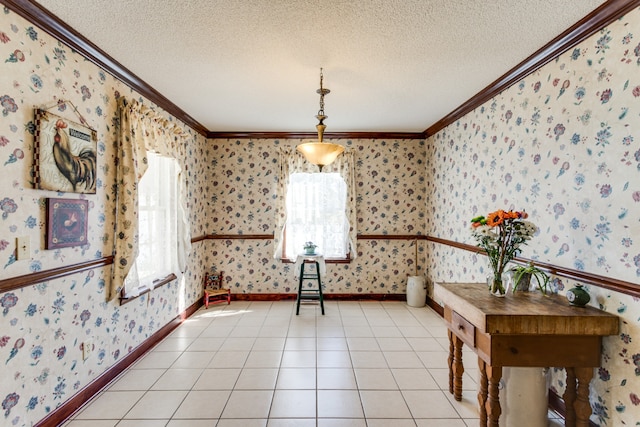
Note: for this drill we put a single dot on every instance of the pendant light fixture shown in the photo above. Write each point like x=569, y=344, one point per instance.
x=320, y=153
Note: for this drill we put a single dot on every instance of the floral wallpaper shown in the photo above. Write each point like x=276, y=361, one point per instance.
x=382, y=267
x=390, y=197
x=562, y=144
x=231, y=191
x=43, y=327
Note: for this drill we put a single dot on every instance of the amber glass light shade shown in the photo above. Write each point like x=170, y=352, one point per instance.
x=320, y=153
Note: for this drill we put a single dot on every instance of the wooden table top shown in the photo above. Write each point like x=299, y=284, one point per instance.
x=523, y=313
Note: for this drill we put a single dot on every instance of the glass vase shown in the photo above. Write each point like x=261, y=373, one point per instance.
x=498, y=284
x=523, y=284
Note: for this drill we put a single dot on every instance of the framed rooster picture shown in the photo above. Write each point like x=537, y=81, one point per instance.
x=66, y=223
x=65, y=155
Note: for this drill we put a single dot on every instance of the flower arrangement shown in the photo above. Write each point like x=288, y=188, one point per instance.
x=500, y=234
x=309, y=248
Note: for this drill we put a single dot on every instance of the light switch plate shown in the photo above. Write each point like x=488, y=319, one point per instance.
x=23, y=248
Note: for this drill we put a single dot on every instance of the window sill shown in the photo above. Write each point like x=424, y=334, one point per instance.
x=124, y=299
x=326, y=260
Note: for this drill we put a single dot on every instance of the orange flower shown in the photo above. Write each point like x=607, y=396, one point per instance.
x=511, y=215
x=495, y=218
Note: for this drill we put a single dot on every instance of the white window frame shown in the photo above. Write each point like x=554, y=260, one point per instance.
x=158, y=208
x=311, y=215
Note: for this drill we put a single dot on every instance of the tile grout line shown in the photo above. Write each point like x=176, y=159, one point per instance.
x=367, y=313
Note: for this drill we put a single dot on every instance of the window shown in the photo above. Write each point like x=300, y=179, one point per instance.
x=158, y=201
x=333, y=230
x=316, y=212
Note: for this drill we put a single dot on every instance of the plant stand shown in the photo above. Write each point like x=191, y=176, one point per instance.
x=310, y=293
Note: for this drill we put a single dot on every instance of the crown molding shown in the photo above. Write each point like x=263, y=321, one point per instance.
x=58, y=29
x=600, y=17
x=581, y=30
x=314, y=135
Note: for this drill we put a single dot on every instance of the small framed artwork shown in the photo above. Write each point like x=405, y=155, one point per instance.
x=65, y=155
x=66, y=223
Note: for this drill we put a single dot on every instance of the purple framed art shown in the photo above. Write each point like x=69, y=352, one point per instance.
x=66, y=223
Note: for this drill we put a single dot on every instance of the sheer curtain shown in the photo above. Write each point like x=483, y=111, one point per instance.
x=141, y=129
x=291, y=161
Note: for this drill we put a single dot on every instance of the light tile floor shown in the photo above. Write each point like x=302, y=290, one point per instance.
x=257, y=364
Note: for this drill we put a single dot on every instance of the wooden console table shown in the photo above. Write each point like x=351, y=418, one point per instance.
x=525, y=329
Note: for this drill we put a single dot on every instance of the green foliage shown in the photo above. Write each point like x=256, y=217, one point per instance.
x=541, y=277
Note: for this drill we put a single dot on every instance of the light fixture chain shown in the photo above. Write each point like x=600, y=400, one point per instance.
x=322, y=92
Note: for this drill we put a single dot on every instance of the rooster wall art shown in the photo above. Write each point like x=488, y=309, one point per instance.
x=65, y=155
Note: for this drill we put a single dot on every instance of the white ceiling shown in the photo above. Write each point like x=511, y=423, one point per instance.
x=253, y=65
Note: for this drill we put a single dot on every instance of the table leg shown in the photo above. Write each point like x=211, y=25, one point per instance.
x=450, y=359
x=569, y=397
x=482, y=393
x=582, y=405
x=494, y=373
x=458, y=368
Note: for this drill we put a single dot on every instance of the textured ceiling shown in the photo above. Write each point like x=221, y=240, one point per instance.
x=253, y=65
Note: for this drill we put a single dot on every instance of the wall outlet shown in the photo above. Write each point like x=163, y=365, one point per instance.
x=23, y=248
x=87, y=349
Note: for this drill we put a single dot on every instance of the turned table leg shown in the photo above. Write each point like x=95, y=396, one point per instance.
x=482, y=392
x=582, y=405
x=494, y=373
x=569, y=397
x=457, y=368
x=450, y=359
